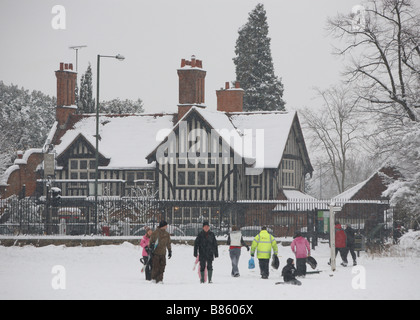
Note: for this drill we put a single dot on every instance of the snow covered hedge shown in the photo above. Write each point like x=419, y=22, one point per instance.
x=408, y=245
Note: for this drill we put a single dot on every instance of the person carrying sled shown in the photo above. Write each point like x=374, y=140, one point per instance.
x=289, y=273
x=144, y=243
x=236, y=242
x=302, y=250
x=160, y=241
x=263, y=243
x=206, y=248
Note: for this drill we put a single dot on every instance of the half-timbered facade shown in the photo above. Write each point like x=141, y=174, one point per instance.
x=199, y=160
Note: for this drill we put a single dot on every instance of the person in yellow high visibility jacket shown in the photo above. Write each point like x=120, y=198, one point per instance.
x=263, y=243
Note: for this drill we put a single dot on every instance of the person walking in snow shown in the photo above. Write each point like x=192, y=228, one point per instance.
x=144, y=243
x=351, y=240
x=263, y=243
x=162, y=240
x=236, y=242
x=206, y=248
x=302, y=250
x=340, y=243
x=289, y=273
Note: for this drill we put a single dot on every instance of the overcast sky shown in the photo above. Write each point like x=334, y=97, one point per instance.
x=155, y=35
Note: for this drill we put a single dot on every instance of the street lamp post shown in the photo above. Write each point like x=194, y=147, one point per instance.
x=120, y=58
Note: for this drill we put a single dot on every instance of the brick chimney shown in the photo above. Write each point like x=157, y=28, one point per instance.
x=66, y=99
x=191, y=85
x=230, y=99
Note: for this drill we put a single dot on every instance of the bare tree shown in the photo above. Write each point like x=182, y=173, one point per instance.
x=382, y=40
x=334, y=132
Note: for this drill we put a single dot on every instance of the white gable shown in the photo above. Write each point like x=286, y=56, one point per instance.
x=276, y=127
x=125, y=140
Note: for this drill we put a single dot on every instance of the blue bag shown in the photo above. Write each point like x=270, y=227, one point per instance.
x=251, y=263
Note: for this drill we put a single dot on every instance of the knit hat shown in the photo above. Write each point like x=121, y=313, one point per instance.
x=289, y=261
x=205, y=223
x=162, y=224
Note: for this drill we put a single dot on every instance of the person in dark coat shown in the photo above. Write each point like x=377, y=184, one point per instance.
x=289, y=273
x=351, y=240
x=205, y=247
x=162, y=239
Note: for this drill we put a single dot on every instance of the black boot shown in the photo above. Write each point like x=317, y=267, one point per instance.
x=210, y=275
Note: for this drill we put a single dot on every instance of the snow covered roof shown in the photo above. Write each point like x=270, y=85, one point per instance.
x=232, y=127
x=124, y=139
x=350, y=193
x=353, y=191
x=128, y=140
x=276, y=127
x=5, y=177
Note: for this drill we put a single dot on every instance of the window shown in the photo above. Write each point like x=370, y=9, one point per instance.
x=196, y=216
x=289, y=173
x=82, y=169
x=181, y=178
x=191, y=178
x=256, y=180
x=150, y=175
x=130, y=178
x=196, y=174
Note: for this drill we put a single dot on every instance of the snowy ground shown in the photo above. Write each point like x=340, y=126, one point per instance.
x=113, y=272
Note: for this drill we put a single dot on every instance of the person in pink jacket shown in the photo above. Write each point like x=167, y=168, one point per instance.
x=144, y=243
x=302, y=249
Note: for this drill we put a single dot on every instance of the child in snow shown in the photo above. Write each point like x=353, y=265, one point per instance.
x=144, y=243
x=289, y=273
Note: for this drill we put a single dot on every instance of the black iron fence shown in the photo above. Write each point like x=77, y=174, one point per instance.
x=128, y=216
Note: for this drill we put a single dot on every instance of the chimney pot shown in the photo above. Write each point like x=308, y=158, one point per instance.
x=230, y=100
x=66, y=66
x=191, y=85
x=237, y=85
x=71, y=66
x=61, y=66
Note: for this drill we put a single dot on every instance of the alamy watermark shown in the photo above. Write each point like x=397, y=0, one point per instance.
x=198, y=146
x=58, y=281
x=359, y=280
x=358, y=14
x=58, y=22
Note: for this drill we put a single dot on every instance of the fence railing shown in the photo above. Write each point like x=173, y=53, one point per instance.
x=128, y=216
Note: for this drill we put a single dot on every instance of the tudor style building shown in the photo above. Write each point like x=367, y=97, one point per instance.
x=199, y=160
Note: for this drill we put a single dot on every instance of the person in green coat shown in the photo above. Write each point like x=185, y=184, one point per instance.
x=264, y=243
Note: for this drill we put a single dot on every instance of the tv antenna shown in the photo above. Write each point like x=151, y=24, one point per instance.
x=76, y=48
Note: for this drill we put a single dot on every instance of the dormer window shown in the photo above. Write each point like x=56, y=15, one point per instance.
x=82, y=169
x=289, y=173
